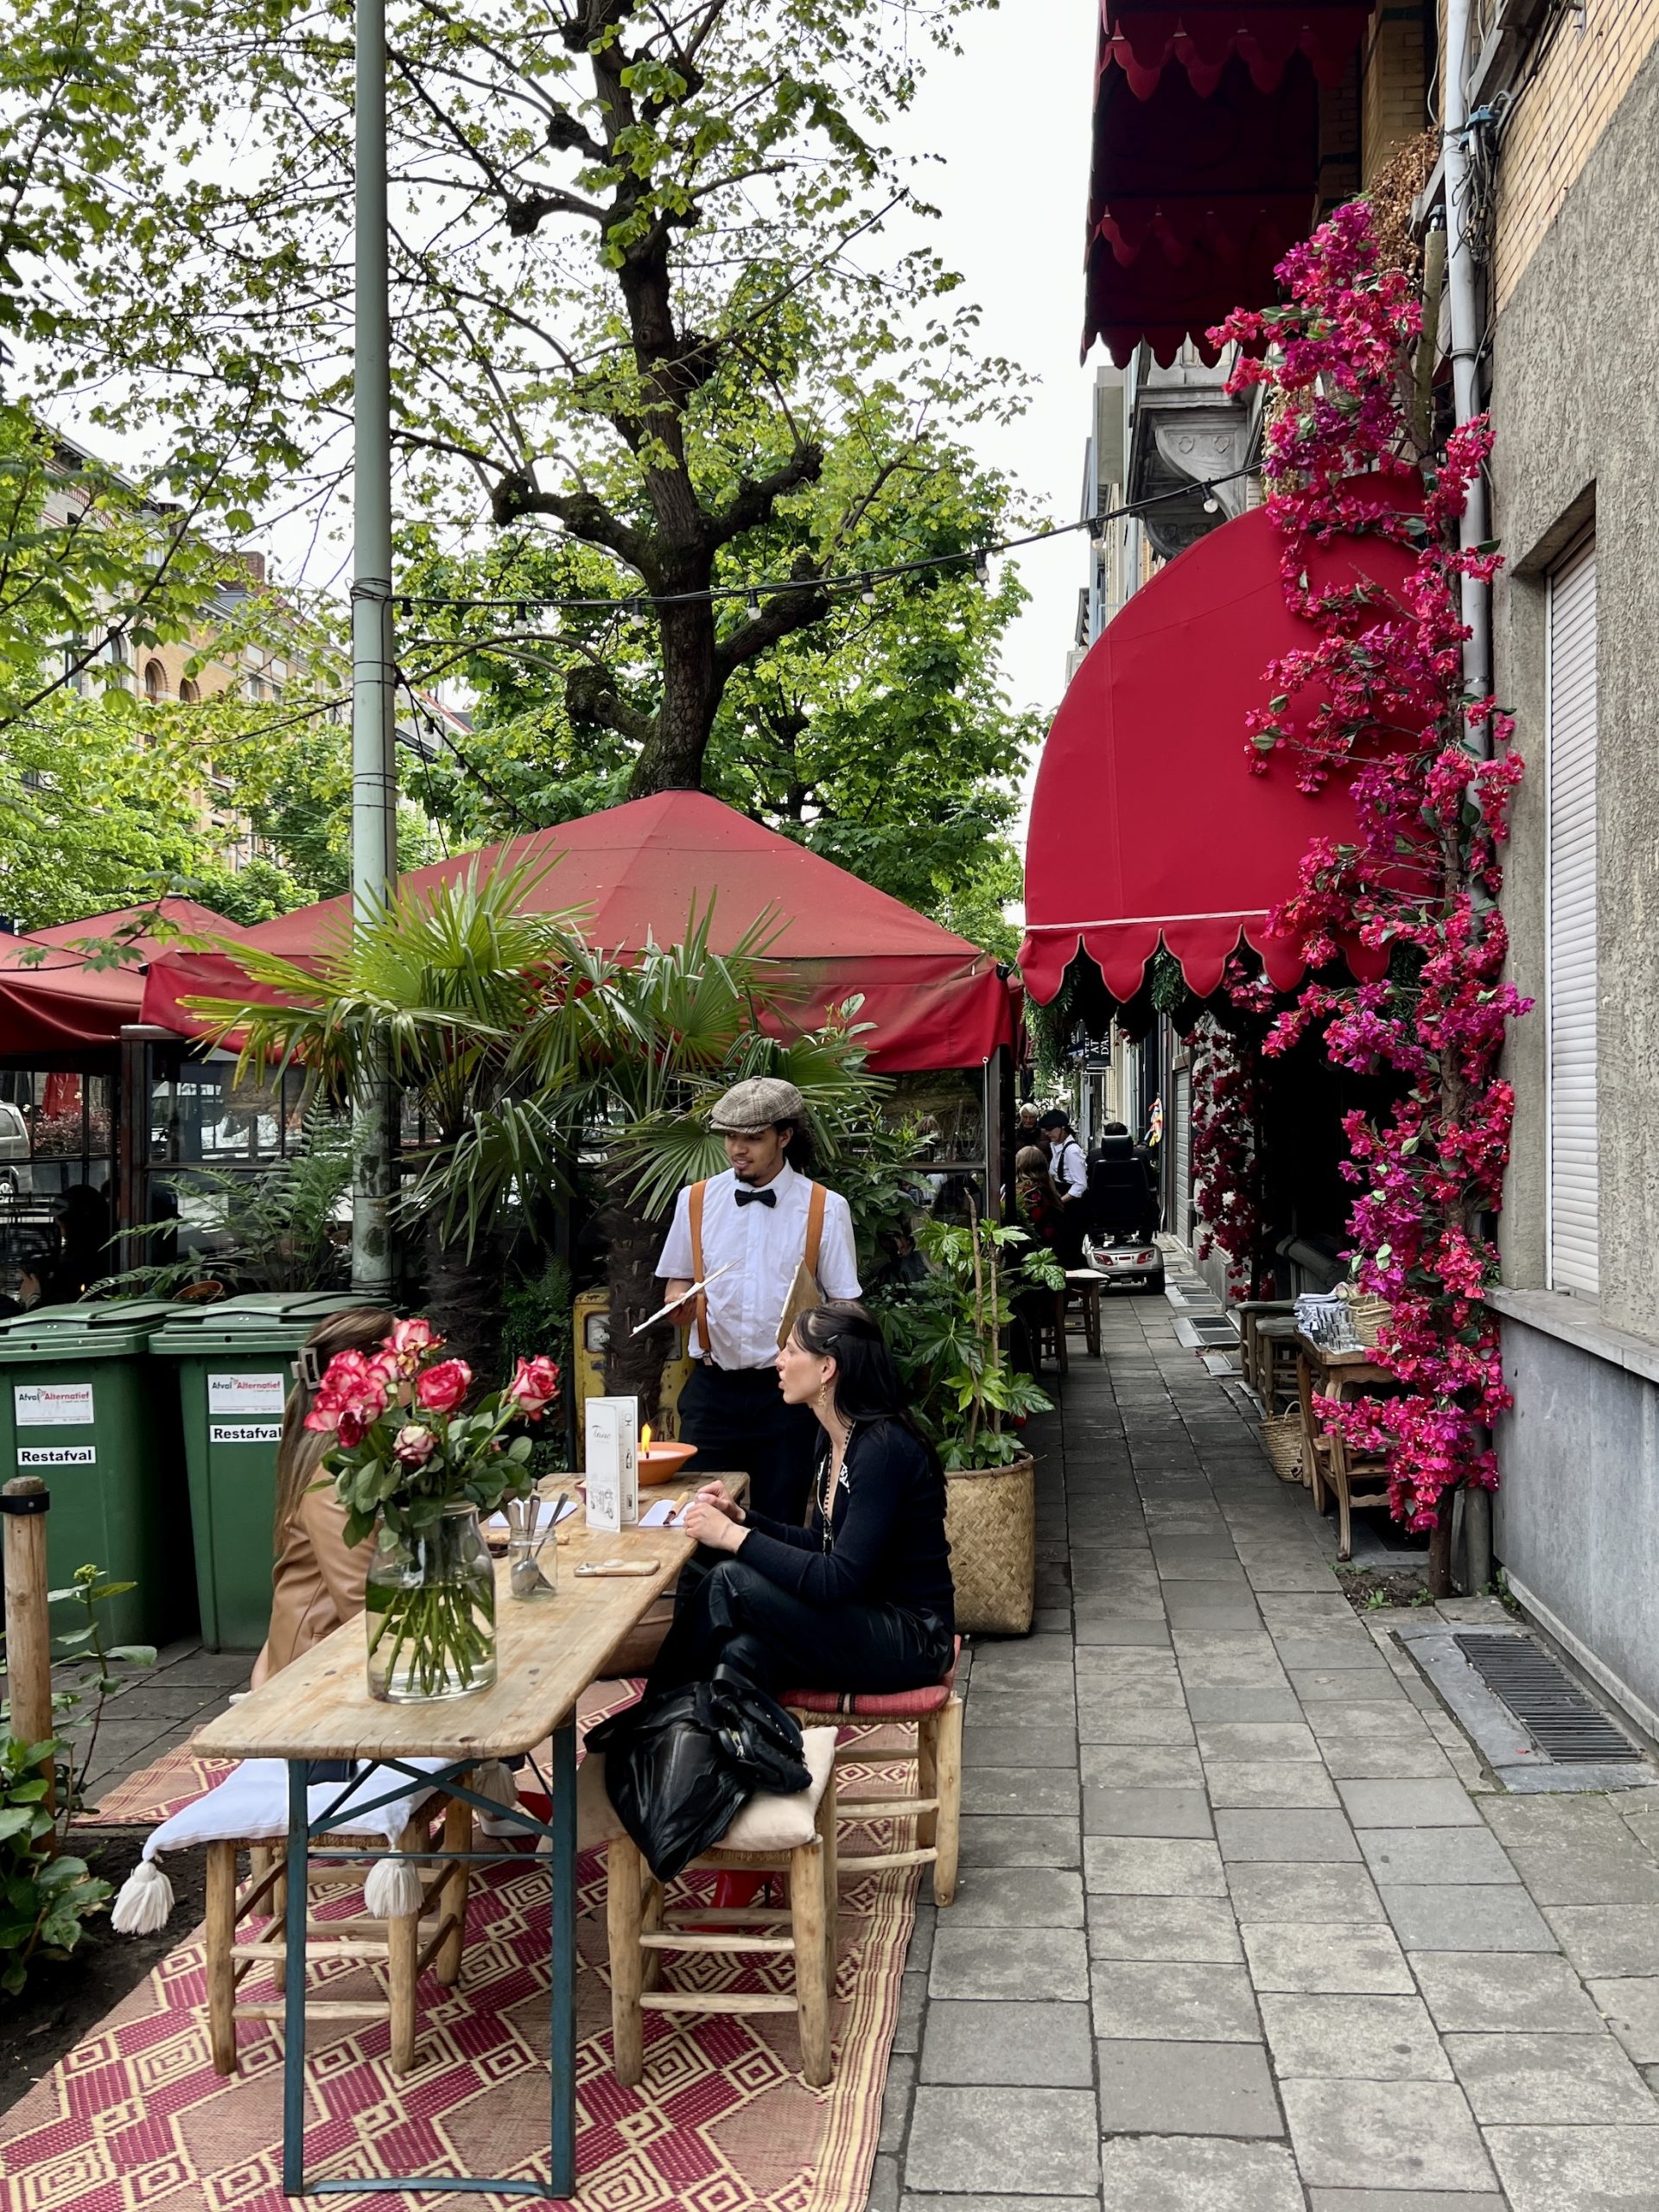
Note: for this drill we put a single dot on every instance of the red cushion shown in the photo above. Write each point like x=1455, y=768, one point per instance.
x=893, y=1705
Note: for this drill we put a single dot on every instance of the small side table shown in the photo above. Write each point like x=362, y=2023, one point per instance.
x=1083, y=1285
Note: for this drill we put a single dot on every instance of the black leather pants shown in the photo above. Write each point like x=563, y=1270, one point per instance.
x=727, y=1611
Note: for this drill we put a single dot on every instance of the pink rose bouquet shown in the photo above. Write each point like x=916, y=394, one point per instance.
x=407, y=1446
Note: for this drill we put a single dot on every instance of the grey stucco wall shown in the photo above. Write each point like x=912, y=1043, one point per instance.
x=1577, y=1513
x=1575, y=414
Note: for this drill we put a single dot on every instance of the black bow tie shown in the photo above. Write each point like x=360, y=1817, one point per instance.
x=757, y=1197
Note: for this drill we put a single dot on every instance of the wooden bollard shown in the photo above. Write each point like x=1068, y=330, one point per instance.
x=29, y=1635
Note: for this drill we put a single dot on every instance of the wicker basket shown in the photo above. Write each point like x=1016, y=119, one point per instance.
x=1369, y=1315
x=1281, y=1437
x=990, y=1516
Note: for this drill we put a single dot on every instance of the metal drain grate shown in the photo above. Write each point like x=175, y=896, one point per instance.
x=1549, y=1704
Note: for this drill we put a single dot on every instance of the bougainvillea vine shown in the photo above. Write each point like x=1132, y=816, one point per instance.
x=1226, y=1170
x=1380, y=694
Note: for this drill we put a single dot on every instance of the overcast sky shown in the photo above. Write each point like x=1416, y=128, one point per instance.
x=1011, y=120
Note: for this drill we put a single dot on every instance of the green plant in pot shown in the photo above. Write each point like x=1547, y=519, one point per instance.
x=949, y=1334
x=415, y=1468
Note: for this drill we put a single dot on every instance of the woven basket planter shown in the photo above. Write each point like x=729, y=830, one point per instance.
x=1281, y=1438
x=991, y=1517
x=1369, y=1315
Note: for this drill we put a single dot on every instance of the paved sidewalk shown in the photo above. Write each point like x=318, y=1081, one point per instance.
x=1242, y=1926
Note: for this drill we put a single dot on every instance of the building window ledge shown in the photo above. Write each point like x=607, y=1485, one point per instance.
x=1575, y=1322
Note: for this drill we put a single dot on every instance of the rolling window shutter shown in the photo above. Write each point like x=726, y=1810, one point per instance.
x=1181, y=1153
x=1571, y=976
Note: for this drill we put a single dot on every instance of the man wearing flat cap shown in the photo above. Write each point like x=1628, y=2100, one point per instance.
x=761, y=1222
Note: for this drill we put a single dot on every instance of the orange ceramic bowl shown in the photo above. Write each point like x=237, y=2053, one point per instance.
x=660, y=1462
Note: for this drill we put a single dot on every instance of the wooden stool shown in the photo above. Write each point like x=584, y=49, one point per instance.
x=935, y=1804
x=1329, y=1377
x=1249, y=1314
x=795, y=1834
x=1083, y=1286
x=1276, y=1347
x=403, y=1946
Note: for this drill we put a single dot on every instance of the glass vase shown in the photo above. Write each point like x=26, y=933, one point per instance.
x=429, y=1607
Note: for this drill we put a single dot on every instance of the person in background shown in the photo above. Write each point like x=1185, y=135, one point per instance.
x=1035, y=1196
x=1026, y=1129
x=318, y=1579
x=756, y=1221
x=1071, y=1171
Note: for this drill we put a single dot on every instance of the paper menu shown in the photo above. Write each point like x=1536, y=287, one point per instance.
x=612, y=1462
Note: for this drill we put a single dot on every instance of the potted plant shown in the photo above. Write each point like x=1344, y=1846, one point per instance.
x=949, y=1336
x=415, y=1468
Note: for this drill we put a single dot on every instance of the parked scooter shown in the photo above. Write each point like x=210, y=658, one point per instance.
x=1121, y=1234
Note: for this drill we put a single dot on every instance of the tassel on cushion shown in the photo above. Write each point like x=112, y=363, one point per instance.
x=493, y=1780
x=144, y=1902
x=394, y=1889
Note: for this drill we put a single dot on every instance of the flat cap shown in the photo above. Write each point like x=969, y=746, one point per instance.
x=756, y=1104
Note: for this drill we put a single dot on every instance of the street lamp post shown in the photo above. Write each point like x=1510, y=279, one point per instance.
x=374, y=775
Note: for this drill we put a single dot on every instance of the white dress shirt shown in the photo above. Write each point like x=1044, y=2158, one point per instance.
x=1068, y=1168
x=768, y=1243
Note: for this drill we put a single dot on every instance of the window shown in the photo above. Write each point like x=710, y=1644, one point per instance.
x=1571, y=981
x=189, y=693
x=155, y=680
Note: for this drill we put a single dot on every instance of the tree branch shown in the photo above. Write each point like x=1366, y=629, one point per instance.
x=783, y=615
x=584, y=516
x=755, y=497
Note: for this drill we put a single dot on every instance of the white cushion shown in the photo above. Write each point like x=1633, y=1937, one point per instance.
x=251, y=1806
x=768, y=1822
x=771, y=1823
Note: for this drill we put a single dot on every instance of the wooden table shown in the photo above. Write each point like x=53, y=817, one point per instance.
x=1332, y=1377
x=548, y=1651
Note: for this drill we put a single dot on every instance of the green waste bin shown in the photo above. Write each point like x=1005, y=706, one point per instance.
x=234, y=1361
x=79, y=1406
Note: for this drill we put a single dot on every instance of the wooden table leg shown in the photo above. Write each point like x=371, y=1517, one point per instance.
x=299, y=1848
x=561, y=2027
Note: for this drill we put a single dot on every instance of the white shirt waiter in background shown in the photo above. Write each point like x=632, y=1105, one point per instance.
x=1071, y=1171
x=755, y=1215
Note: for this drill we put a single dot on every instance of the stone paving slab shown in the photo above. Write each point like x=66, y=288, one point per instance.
x=1243, y=1924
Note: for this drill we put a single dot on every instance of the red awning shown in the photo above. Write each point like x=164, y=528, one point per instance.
x=185, y=914
x=935, y=1001
x=66, y=1010
x=1202, y=35
x=1202, y=175
x=1146, y=821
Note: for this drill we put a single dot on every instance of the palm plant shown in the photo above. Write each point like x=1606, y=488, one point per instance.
x=476, y=1011
x=521, y=1044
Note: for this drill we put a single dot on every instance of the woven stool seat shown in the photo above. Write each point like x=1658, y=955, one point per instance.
x=863, y=1705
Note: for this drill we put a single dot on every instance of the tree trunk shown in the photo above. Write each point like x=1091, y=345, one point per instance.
x=671, y=757
x=634, y=1366
x=463, y=1299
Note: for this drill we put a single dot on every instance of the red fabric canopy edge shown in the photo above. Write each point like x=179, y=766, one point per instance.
x=1142, y=40
x=64, y=1009
x=1146, y=824
x=934, y=1000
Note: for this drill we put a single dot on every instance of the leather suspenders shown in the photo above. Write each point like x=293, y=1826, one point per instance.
x=694, y=1216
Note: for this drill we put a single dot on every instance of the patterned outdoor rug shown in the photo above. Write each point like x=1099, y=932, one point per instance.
x=136, y=2116
x=146, y=1799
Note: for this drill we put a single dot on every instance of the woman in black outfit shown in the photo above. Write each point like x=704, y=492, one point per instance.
x=860, y=1599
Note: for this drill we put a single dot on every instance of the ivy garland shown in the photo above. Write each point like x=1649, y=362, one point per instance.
x=1385, y=689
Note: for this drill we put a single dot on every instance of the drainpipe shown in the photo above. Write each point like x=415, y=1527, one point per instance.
x=374, y=781
x=1465, y=333
x=1476, y=599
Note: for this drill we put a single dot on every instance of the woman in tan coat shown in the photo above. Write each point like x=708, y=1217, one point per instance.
x=319, y=1578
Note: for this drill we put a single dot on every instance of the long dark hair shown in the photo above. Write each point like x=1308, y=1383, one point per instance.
x=868, y=1388
x=299, y=1454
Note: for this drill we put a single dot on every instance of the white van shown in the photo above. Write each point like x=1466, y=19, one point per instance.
x=17, y=1176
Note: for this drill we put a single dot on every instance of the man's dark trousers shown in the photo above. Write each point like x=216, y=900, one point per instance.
x=740, y=1424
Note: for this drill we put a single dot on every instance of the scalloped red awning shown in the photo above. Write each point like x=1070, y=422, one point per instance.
x=1206, y=166
x=1146, y=821
x=1202, y=35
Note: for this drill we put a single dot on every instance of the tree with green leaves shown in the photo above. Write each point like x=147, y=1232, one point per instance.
x=643, y=301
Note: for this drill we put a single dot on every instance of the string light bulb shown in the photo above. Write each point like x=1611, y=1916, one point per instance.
x=751, y=603
x=982, y=566
x=868, y=593
x=1212, y=504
